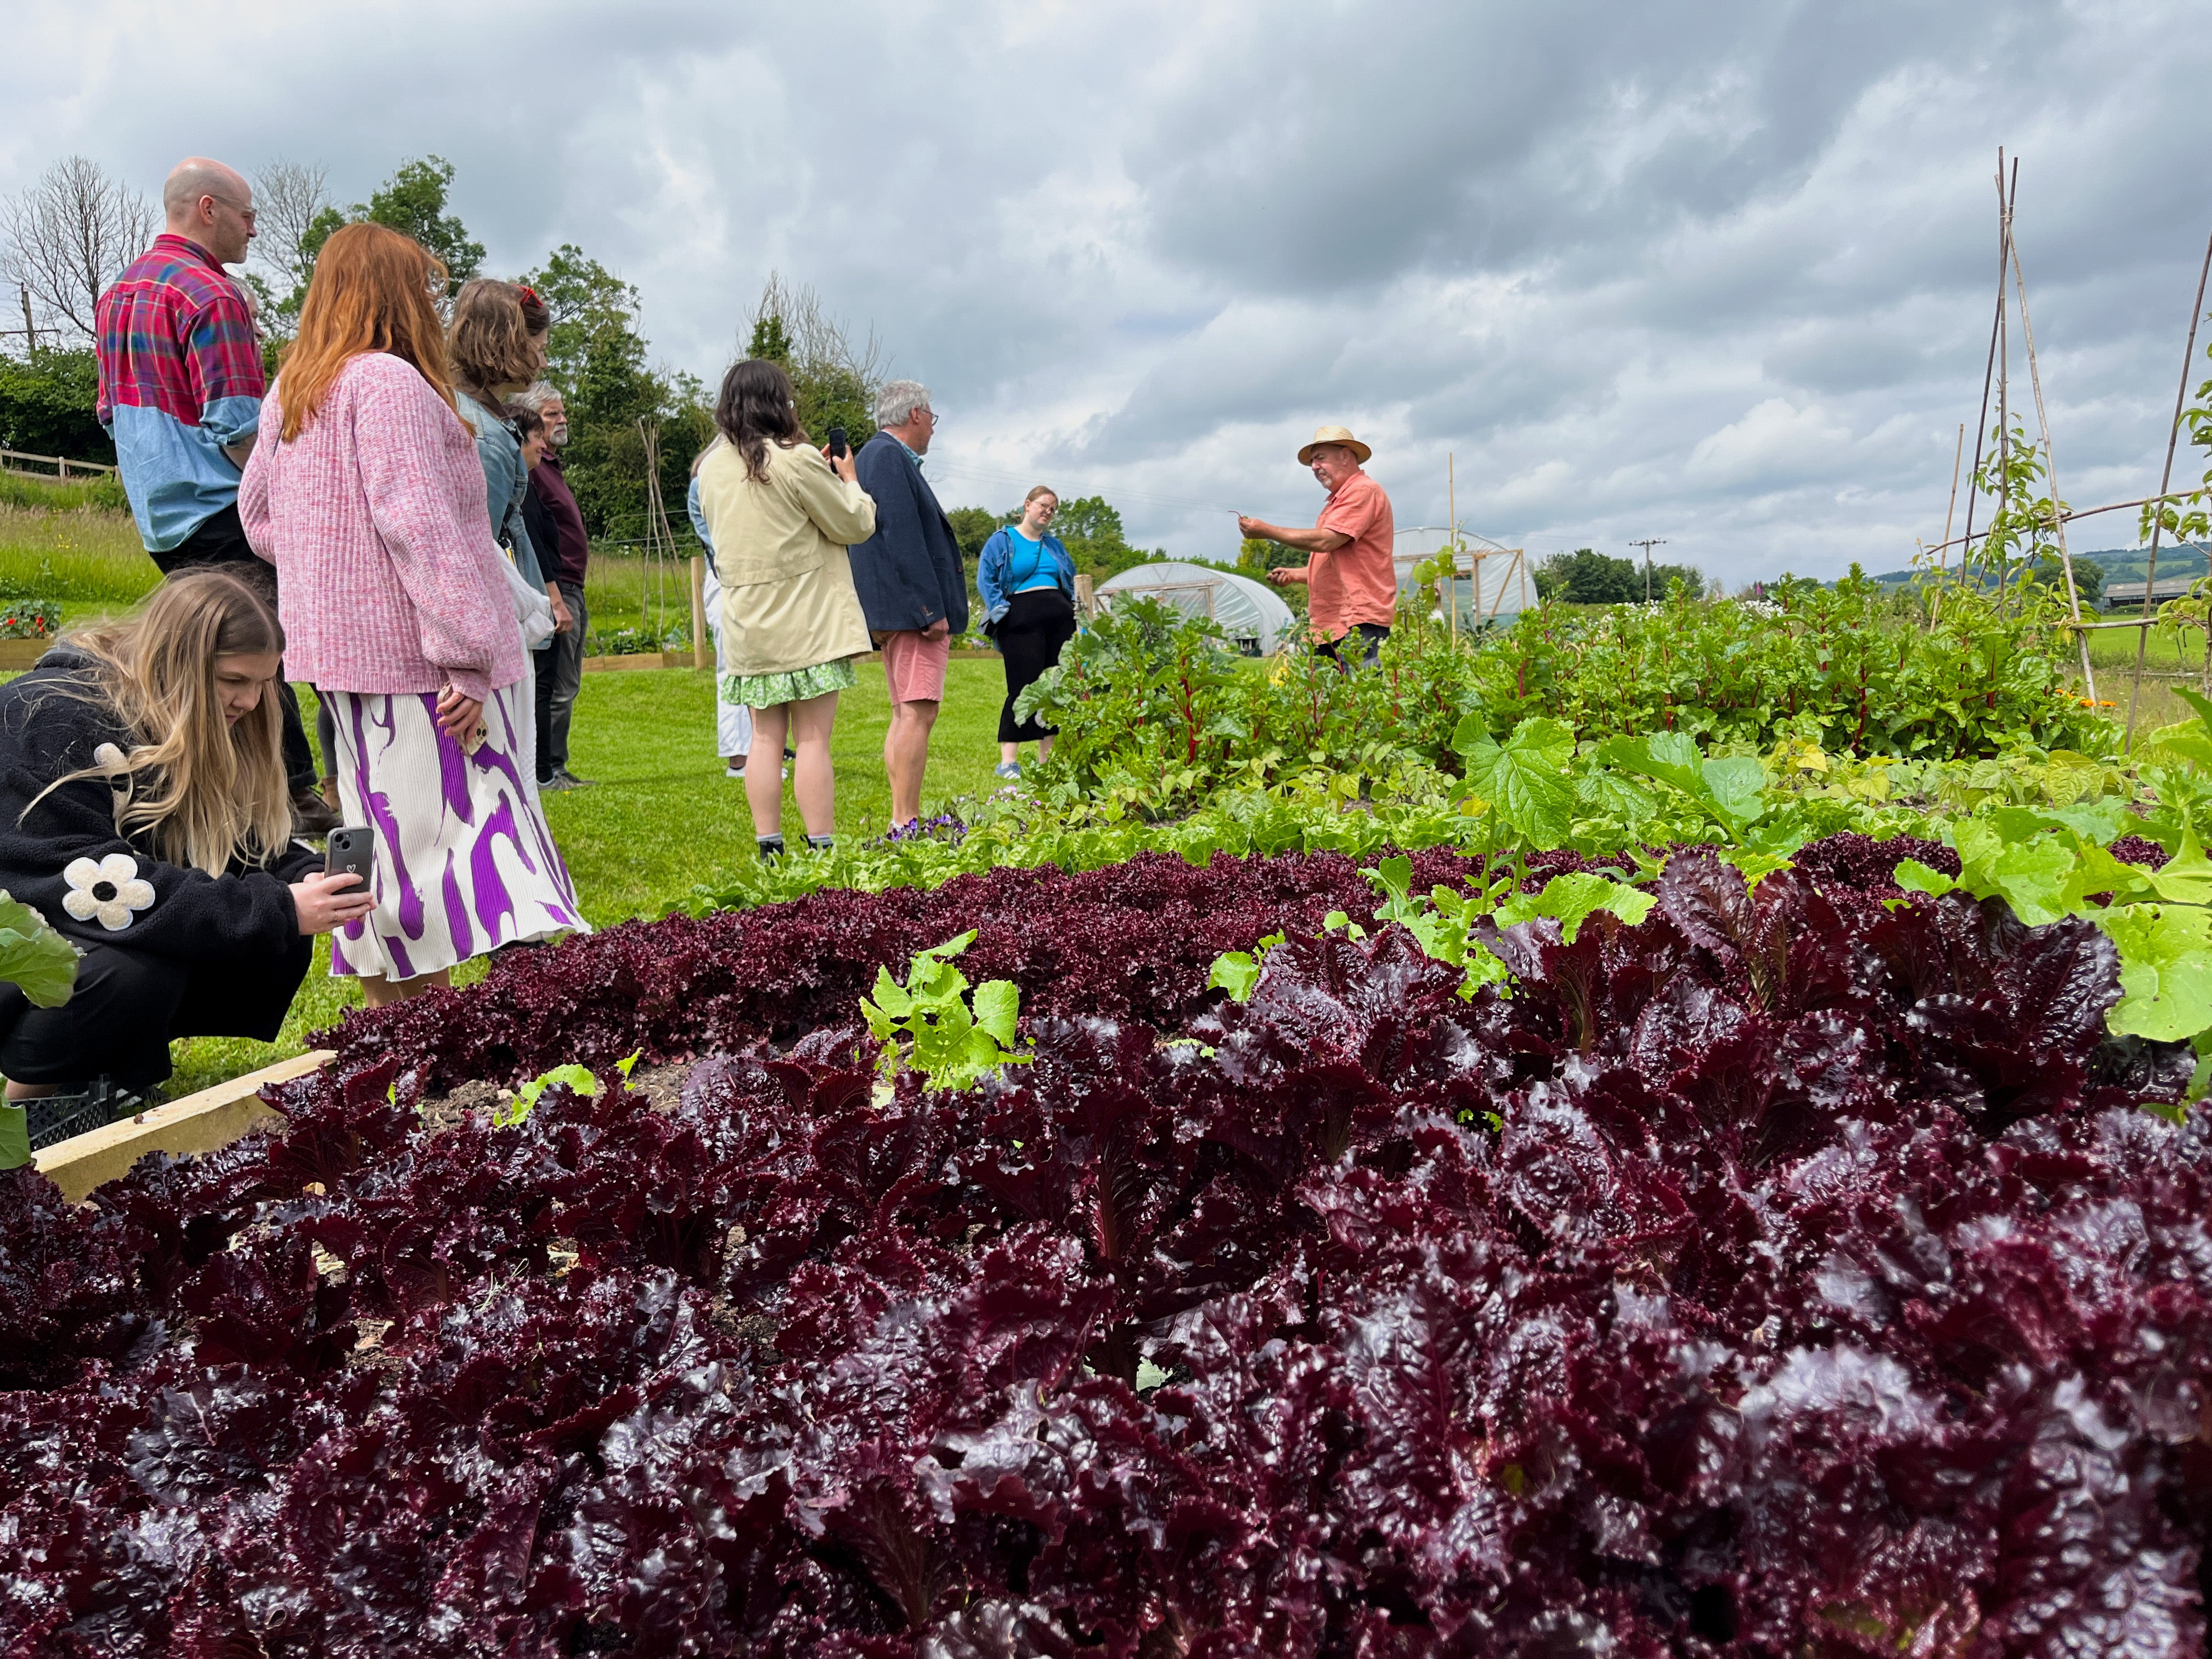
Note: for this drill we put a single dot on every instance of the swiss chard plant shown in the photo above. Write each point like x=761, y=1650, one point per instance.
x=935, y=1024
x=42, y=964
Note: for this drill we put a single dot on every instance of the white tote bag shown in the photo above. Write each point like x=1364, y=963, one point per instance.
x=532, y=608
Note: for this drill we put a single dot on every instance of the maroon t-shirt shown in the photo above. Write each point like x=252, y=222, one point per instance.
x=575, y=549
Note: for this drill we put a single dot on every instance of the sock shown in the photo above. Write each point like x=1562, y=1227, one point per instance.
x=820, y=844
x=768, y=847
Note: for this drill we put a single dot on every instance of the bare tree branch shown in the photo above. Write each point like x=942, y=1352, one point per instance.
x=820, y=346
x=68, y=236
x=289, y=196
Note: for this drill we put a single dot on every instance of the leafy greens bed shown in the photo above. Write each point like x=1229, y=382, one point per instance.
x=1792, y=1272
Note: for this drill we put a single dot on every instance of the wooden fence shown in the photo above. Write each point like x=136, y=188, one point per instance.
x=59, y=468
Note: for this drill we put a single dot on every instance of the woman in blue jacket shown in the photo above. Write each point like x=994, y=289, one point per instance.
x=1028, y=585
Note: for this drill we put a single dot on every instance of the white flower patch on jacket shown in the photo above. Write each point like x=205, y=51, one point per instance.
x=109, y=890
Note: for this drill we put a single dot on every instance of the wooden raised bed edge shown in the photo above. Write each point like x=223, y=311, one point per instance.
x=198, y=1123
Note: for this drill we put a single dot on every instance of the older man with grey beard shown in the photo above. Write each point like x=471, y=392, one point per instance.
x=911, y=582
x=556, y=530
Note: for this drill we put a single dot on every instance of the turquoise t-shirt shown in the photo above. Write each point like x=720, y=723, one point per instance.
x=1043, y=570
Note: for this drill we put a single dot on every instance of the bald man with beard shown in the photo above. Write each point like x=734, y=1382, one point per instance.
x=180, y=389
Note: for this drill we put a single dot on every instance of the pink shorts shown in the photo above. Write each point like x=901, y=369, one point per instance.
x=913, y=663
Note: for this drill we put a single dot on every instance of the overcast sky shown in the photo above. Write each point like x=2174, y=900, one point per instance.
x=1719, y=273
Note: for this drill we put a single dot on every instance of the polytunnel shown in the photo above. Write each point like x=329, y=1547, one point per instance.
x=1249, y=612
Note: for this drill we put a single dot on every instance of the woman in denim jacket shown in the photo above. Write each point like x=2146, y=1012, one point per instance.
x=1028, y=585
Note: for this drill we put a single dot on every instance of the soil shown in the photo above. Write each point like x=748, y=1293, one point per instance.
x=661, y=1085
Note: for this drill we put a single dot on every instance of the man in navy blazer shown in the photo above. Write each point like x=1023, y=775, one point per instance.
x=913, y=586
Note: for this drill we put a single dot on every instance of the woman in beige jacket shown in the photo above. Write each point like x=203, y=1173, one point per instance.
x=780, y=514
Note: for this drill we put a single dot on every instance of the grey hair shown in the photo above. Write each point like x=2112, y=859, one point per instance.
x=535, y=396
x=896, y=403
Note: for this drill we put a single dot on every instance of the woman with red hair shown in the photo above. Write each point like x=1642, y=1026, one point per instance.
x=365, y=490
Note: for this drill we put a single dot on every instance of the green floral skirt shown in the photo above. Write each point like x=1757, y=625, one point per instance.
x=767, y=690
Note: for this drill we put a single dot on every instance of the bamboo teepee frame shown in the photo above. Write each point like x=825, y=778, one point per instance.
x=2012, y=288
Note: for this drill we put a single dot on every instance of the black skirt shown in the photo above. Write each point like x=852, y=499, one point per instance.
x=1036, y=624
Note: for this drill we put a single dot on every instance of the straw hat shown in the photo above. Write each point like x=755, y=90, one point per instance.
x=1334, y=434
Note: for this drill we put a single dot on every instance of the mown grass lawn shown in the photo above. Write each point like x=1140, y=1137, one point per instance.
x=659, y=817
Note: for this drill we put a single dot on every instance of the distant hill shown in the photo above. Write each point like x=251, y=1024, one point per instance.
x=2118, y=563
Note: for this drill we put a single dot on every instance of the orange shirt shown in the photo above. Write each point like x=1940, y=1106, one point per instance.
x=1358, y=583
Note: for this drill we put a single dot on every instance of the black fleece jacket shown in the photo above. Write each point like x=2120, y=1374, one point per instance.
x=246, y=912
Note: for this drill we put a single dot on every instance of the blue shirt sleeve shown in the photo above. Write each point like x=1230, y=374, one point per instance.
x=991, y=570
x=698, y=518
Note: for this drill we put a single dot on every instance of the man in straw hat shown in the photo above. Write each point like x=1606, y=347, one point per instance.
x=1351, y=581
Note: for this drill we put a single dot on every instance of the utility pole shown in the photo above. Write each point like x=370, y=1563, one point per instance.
x=29, y=330
x=1647, y=544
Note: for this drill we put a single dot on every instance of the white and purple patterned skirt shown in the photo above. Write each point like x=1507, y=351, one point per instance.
x=464, y=860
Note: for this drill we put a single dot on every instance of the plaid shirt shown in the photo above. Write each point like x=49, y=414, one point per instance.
x=179, y=378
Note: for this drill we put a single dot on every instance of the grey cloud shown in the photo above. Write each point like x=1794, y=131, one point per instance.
x=1719, y=273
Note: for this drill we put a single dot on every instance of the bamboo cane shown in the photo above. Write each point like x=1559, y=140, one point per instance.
x=2082, y=512
x=1936, y=604
x=2004, y=373
x=1451, y=505
x=1981, y=428
x=2158, y=520
x=2050, y=460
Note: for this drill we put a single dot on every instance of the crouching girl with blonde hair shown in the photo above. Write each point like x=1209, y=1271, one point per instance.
x=145, y=813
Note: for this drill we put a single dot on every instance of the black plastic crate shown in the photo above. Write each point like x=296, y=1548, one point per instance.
x=58, y=1117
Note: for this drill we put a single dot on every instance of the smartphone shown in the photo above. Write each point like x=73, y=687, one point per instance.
x=351, y=848
x=837, y=443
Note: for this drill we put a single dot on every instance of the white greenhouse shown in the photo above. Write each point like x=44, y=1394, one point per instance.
x=1250, y=612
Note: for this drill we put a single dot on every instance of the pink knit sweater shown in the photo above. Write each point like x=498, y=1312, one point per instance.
x=387, y=577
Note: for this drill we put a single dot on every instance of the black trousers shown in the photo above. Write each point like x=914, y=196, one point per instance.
x=130, y=1005
x=558, y=673
x=221, y=541
x=1037, y=625
x=1371, y=635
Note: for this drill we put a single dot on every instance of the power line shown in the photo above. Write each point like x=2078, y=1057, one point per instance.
x=966, y=469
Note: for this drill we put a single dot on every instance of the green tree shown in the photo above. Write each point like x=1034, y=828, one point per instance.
x=598, y=357
x=610, y=392
x=412, y=201
x=835, y=377
x=1588, y=577
x=972, y=527
x=584, y=299
x=2089, y=576
x=1256, y=555
x=1089, y=519
x=46, y=402
x=770, y=340
x=1091, y=528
